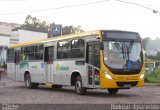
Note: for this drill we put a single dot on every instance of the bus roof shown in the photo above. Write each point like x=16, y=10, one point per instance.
x=96, y=32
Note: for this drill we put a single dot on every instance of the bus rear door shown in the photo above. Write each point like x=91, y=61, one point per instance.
x=49, y=56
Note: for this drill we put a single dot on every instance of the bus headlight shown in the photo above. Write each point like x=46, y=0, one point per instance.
x=107, y=75
x=142, y=75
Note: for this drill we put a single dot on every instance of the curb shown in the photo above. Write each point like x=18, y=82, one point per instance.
x=152, y=84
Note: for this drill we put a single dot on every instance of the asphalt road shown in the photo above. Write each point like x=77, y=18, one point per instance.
x=17, y=93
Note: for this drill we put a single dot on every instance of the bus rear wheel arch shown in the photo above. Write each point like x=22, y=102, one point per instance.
x=29, y=84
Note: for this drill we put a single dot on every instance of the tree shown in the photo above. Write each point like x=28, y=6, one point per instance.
x=145, y=42
x=71, y=30
x=34, y=24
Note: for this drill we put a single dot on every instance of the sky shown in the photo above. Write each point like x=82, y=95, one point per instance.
x=95, y=14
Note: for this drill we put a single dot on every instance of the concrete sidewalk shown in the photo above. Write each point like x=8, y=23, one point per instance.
x=6, y=82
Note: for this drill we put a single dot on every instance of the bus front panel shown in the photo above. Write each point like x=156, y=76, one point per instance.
x=121, y=60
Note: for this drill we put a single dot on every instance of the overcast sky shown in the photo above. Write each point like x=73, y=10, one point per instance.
x=101, y=14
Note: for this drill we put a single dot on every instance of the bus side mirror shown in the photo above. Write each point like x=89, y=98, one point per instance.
x=101, y=46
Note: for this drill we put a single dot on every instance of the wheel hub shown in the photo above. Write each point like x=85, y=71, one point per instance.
x=78, y=86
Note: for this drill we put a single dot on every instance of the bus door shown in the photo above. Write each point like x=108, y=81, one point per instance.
x=49, y=56
x=93, y=64
x=17, y=61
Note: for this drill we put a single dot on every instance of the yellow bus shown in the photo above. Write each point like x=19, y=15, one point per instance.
x=104, y=59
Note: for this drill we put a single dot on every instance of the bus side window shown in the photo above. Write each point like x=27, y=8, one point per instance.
x=38, y=52
x=17, y=57
x=10, y=55
x=77, y=48
x=63, y=50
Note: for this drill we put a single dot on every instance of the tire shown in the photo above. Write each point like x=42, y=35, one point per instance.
x=113, y=91
x=57, y=86
x=79, y=89
x=29, y=84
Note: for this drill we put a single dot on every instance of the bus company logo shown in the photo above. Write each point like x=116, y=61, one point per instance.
x=57, y=67
x=127, y=78
x=61, y=68
x=34, y=66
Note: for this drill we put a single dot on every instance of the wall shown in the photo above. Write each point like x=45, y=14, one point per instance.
x=25, y=36
x=21, y=36
x=4, y=40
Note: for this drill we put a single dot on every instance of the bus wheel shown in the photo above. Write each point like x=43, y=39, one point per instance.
x=28, y=82
x=112, y=91
x=78, y=86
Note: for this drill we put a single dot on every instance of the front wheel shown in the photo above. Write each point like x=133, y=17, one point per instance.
x=28, y=82
x=113, y=91
x=78, y=86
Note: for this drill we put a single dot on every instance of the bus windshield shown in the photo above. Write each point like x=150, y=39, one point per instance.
x=122, y=51
x=122, y=54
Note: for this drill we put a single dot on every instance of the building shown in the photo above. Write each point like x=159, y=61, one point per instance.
x=5, y=34
x=21, y=36
x=7, y=37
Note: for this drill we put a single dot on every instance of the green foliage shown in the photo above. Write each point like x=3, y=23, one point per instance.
x=153, y=77
x=34, y=24
x=71, y=29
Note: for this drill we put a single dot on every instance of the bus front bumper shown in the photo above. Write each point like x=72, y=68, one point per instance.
x=108, y=83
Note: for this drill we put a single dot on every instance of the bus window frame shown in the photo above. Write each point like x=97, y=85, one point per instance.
x=34, y=52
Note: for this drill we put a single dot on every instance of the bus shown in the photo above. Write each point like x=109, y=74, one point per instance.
x=104, y=59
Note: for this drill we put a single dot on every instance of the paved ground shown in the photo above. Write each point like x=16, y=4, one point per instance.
x=15, y=92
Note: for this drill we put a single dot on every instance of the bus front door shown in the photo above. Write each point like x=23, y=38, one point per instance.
x=49, y=56
x=93, y=64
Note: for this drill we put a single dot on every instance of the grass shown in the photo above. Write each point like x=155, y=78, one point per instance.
x=153, y=77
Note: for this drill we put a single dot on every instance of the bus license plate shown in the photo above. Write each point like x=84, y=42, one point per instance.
x=127, y=85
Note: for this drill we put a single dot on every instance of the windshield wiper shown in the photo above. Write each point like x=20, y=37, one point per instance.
x=129, y=48
x=119, y=47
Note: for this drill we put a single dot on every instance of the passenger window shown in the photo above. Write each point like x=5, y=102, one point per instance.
x=10, y=55
x=77, y=48
x=63, y=49
x=34, y=52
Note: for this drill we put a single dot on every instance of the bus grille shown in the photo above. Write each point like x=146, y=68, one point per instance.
x=122, y=84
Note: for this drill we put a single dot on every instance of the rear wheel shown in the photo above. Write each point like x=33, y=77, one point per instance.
x=28, y=82
x=78, y=86
x=113, y=91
